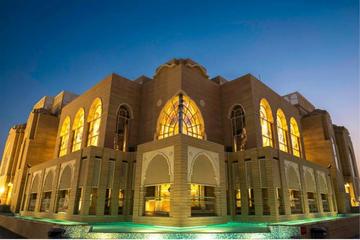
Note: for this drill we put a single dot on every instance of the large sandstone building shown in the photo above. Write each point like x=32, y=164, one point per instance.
x=178, y=149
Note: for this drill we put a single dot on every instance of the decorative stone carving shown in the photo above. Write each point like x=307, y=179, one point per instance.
x=194, y=153
x=295, y=166
x=167, y=153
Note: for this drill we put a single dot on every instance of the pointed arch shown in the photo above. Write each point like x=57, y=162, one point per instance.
x=237, y=117
x=266, y=123
x=295, y=137
x=78, y=129
x=94, y=121
x=180, y=115
x=64, y=137
x=282, y=130
x=123, y=116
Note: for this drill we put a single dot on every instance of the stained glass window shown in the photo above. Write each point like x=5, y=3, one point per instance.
x=180, y=115
x=64, y=136
x=266, y=122
x=295, y=137
x=78, y=128
x=122, y=128
x=94, y=120
x=282, y=130
x=238, y=128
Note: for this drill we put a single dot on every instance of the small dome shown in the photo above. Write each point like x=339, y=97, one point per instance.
x=182, y=61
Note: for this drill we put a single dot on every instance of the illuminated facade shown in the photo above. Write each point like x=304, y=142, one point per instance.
x=178, y=149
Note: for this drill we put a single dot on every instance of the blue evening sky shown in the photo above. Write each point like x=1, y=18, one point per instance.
x=307, y=46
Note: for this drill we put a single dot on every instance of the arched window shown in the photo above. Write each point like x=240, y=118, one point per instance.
x=122, y=128
x=180, y=115
x=78, y=128
x=64, y=137
x=282, y=130
x=238, y=128
x=94, y=120
x=266, y=122
x=295, y=137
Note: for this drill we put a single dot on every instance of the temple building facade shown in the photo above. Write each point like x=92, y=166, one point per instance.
x=179, y=149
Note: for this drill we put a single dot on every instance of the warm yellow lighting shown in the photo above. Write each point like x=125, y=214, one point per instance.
x=2, y=190
x=295, y=137
x=282, y=130
x=266, y=121
x=347, y=187
x=78, y=128
x=160, y=201
x=190, y=115
x=64, y=136
x=94, y=120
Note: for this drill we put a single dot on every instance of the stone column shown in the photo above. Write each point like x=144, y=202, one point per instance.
x=256, y=184
x=304, y=198
x=74, y=185
x=39, y=191
x=85, y=201
x=243, y=188
x=284, y=187
x=54, y=192
x=272, y=199
x=101, y=192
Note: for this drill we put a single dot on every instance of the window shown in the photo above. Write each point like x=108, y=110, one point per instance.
x=238, y=202
x=282, y=130
x=251, y=202
x=94, y=120
x=312, y=202
x=122, y=129
x=238, y=128
x=202, y=200
x=266, y=122
x=325, y=202
x=120, y=201
x=107, y=207
x=64, y=136
x=62, y=201
x=157, y=200
x=295, y=201
x=295, y=138
x=335, y=153
x=32, y=201
x=78, y=129
x=45, y=202
x=180, y=115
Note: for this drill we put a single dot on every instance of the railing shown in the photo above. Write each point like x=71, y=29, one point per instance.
x=156, y=206
x=203, y=206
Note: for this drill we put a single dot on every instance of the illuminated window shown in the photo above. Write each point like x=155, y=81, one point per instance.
x=335, y=153
x=266, y=122
x=94, y=120
x=237, y=201
x=202, y=200
x=238, y=128
x=78, y=128
x=282, y=130
x=64, y=136
x=180, y=115
x=121, y=201
x=295, y=137
x=251, y=202
x=122, y=128
x=295, y=201
x=157, y=200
